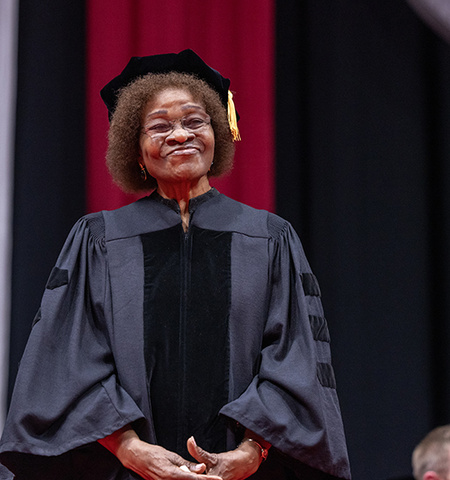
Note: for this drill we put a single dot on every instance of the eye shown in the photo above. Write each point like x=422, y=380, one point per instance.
x=194, y=123
x=160, y=127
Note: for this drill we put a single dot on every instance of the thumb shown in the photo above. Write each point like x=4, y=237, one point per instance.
x=198, y=453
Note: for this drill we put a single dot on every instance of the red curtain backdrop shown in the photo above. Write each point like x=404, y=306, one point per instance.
x=235, y=37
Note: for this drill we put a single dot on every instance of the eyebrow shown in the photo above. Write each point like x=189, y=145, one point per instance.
x=184, y=107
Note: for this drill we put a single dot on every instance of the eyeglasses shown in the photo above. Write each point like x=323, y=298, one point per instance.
x=160, y=127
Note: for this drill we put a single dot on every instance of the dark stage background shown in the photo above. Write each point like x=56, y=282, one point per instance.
x=363, y=118
x=362, y=123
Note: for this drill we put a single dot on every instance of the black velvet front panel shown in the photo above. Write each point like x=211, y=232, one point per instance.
x=186, y=310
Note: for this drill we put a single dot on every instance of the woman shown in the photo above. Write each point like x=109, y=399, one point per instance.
x=183, y=319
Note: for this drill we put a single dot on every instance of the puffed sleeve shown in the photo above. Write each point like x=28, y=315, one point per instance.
x=292, y=401
x=66, y=394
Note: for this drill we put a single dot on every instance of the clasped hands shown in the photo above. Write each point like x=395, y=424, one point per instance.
x=236, y=464
x=153, y=462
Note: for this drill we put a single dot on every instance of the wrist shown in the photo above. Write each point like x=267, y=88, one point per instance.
x=258, y=447
x=127, y=450
x=123, y=443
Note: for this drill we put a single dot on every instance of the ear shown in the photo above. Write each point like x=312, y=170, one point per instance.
x=431, y=475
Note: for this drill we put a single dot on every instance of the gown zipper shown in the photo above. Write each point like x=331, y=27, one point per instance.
x=186, y=254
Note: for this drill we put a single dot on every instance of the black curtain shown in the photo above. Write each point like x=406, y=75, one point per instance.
x=363, y=150
x=49, y=158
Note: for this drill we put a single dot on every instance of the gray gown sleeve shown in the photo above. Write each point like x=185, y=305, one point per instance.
x=292, y=401
x=66, y=393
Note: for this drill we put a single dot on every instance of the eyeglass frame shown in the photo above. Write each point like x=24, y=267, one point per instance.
x=172, y=123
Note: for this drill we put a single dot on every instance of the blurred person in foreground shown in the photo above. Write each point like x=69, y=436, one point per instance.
x=431, y=457
x=182, y=336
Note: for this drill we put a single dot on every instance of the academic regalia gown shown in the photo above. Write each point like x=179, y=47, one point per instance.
x=200, y=333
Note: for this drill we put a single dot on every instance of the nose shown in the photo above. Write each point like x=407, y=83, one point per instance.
x=179, y=135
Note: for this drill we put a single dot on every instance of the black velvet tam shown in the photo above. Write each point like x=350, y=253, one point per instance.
x=186, y=61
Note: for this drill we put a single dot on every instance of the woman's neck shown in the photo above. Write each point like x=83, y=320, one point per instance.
x=182, y=192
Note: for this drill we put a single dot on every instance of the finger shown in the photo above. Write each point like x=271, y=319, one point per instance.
x=198, y=453
x=204, y=477
x=210, y=477
x=193, y=467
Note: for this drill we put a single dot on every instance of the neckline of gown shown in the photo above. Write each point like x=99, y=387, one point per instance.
x=193, y=202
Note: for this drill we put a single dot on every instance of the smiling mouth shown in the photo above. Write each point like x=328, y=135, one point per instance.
x=184, y=151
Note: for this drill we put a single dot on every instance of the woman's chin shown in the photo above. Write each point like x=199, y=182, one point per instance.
x=188, y=172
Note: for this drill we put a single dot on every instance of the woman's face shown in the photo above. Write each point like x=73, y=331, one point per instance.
x=177, y=140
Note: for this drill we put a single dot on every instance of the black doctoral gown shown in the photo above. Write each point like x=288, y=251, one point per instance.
x=200, y=333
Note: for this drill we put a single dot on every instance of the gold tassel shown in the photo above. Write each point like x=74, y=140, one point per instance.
x=232, y=119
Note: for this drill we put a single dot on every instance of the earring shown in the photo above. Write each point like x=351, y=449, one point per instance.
x=143, y=173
